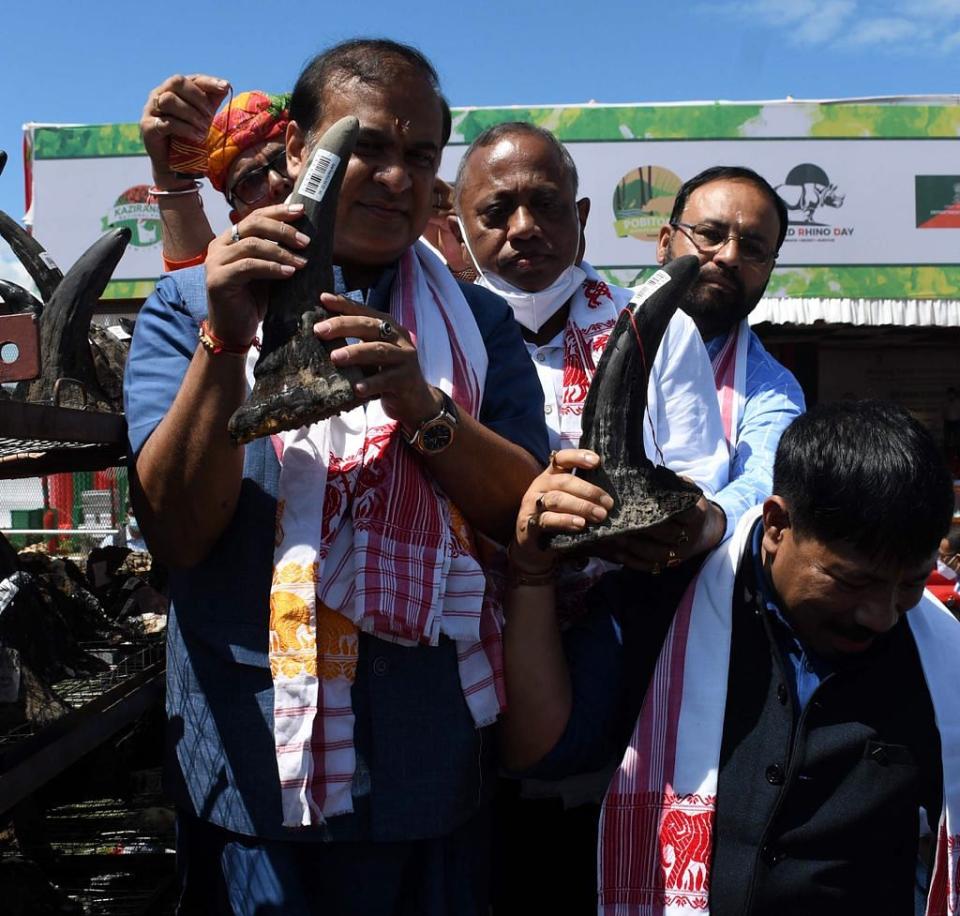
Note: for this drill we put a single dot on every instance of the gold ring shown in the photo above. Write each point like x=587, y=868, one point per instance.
x=553, y=460
x=156, y=104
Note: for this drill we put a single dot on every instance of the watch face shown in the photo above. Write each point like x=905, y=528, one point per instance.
x=436, y=436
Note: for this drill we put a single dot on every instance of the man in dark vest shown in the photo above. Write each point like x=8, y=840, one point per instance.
x=793, y=718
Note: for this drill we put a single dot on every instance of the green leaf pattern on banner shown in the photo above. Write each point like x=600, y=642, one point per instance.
x=588, y=122
x=87, y=141
x=129, y=289
x=616, y=122
x=906, y=121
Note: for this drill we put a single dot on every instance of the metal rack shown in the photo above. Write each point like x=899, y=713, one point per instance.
x=30, y=758
x=38, y=439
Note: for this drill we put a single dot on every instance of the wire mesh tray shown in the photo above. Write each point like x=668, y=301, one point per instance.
x=78, y=692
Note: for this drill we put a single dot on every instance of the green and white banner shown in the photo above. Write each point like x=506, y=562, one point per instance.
x=873, y=190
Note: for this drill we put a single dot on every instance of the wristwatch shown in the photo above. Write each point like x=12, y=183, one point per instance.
x=436, y=434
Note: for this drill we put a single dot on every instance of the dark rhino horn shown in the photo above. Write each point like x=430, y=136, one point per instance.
x=3, y=160
x=17, y=299
x=295, y=383
x=613, y=415
x=32, y=255
x=65, y=327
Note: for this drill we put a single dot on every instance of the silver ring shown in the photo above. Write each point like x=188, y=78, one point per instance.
x=235, y=234
x=157, y=123
x=386, y=330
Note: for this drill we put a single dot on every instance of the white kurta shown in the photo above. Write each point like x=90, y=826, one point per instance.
x=683, y=417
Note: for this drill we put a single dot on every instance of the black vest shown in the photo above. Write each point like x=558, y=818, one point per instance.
x=816, y=815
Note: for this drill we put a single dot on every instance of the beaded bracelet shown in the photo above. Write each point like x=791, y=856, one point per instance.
x=214, y=344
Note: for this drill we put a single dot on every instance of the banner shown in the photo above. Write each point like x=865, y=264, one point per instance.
x=872, y=190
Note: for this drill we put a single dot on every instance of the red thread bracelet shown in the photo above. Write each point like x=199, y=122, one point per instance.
x=215, y=345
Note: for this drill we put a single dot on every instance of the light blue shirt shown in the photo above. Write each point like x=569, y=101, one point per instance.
x=807, y=668
x=772, y=400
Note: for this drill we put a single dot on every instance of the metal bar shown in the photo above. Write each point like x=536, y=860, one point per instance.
x=55, y=461
x=36, y=760
x=55, y=531
x=41, y=421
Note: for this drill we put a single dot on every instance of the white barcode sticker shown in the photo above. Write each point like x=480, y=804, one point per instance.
x=118, y=332
x=320, y=172
x=650, y=286
x=51, y=264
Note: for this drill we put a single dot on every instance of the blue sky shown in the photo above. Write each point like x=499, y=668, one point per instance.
x=94, y=62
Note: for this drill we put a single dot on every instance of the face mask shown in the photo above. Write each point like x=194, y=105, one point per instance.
x=532, y=310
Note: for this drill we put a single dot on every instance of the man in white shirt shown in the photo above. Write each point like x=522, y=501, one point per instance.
x=522, y=226
x=516, y=196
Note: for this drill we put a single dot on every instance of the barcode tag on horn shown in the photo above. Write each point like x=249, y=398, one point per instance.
x=320, y=171
x=650, y=286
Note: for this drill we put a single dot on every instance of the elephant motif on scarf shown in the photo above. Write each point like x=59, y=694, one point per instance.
x=685, y=840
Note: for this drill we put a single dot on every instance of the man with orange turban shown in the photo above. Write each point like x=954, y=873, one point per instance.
x=240, y=149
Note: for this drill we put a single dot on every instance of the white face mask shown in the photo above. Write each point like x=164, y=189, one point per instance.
x=532, y=310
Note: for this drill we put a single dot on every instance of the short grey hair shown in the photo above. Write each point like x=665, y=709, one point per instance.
x=498, y=132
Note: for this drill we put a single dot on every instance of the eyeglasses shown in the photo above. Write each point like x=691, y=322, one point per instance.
x=950, y=559
x=709, y=239
x=255, y=185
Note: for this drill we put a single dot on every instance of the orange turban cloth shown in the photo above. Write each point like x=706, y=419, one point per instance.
x=249, y=118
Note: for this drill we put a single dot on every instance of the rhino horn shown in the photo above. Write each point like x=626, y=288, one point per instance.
x=613, y=415
x=65, y=327
x=17, y=299
x=296, y=384
x=3, y=160
x=32, y=255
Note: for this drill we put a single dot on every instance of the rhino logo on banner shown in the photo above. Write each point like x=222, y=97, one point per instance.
x=805, y=190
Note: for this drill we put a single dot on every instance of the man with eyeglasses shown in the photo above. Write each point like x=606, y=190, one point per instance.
x=733, y=220
x=240, y=149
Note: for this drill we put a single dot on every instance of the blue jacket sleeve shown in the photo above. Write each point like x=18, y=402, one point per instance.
x=512, y=397
x=164, y=341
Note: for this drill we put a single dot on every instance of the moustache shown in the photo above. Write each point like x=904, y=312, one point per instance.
x=721, y=278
